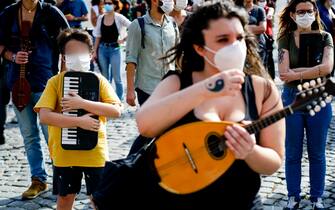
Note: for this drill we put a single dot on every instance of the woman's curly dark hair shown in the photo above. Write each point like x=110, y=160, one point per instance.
x=287, y=24
x=187, y=59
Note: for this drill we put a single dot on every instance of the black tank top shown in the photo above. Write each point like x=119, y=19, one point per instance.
x=237, y=188
x=109, y=34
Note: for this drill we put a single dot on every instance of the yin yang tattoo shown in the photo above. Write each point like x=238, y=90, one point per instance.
x=216, y=86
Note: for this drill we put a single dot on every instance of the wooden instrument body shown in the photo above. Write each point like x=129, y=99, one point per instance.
x=194, y=151
x=192, y=156
x=21, y=89
x=21, y=93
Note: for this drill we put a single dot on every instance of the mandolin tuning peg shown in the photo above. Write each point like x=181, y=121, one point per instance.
x=299, y=87
x=314, y=103
x=312, y=113
x=306, y=85
x=316, y=90
x=317, y=108
x=323, y=104
x=308, y=107
x=312, y=83
x=325, y=94
x=303, y=95
x=329, y=99
x=318, y=80
x=309, y=92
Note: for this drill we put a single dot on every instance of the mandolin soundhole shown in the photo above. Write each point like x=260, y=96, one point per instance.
x=215, y=145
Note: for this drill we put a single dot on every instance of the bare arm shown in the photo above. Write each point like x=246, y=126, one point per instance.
x=270, y=152
x=257, y=29
x=82, y=18
x=323, y=69
x=167, y=104
x=96, y=47
x=94, y=18
x=48, y=117
x=131, y=70
x=102, y=109
x=74, y=101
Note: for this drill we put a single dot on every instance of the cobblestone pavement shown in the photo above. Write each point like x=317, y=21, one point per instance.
x=14, y=171
x=15, y=178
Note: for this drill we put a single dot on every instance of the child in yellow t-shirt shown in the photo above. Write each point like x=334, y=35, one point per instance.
x=69, y=165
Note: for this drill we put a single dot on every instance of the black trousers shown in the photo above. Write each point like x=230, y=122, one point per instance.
x=140, y=141
x=141, y=96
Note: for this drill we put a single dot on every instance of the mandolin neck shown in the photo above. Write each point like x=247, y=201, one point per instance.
x=266, y=121
x=22, y=71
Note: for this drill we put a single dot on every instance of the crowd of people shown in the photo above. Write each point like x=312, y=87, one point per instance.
x=186, y=61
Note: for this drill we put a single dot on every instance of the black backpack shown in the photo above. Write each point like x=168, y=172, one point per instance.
x=142, y=24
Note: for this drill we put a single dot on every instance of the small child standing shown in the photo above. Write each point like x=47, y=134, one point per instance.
x=70, y=165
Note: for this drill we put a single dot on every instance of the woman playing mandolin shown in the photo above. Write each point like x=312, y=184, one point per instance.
x=214, y=51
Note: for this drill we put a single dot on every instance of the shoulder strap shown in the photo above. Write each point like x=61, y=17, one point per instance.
x=248, y=92
x=141, y=24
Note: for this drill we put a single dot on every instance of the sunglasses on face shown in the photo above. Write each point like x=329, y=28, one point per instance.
x=302, y=12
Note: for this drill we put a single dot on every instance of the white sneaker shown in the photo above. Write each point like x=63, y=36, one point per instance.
x=318, y=205
x=291, y=204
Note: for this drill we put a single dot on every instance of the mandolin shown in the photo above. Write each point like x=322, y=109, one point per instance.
x=21, y=90
x=192, y=156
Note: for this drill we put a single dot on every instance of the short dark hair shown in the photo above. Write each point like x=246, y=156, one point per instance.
x=74, y=34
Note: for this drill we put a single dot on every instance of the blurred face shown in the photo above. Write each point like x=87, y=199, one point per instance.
x=248, y=2
x=77, y=56
x=302, y=9
x=261, y=3
x=109, y=6
x=76, y=47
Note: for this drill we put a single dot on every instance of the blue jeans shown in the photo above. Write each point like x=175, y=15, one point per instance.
x=110, y=64
x=27, y=120
x=316, y=128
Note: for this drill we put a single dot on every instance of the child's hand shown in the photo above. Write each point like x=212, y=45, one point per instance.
x=72, y=101
x=89, y=123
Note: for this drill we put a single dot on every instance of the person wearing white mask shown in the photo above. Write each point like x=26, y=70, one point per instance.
x=144, y=68
x=179, y=14
x=110, y=33
x=70, y=165
x=221, y=78
x=268, y=35
x=302, y=16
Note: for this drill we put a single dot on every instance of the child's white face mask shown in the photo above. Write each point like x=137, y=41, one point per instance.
x=78, y=62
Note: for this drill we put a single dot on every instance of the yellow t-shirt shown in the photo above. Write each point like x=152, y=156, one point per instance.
x=51, y=98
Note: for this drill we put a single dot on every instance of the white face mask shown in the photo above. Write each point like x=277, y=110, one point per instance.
x=180, y=5
x=167, y=6
x=262, y=4
x=78, y=62
x=304, y=21
x=229, y=57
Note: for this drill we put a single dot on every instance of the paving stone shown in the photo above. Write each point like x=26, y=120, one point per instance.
x=31, y=206
x=5, y=201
